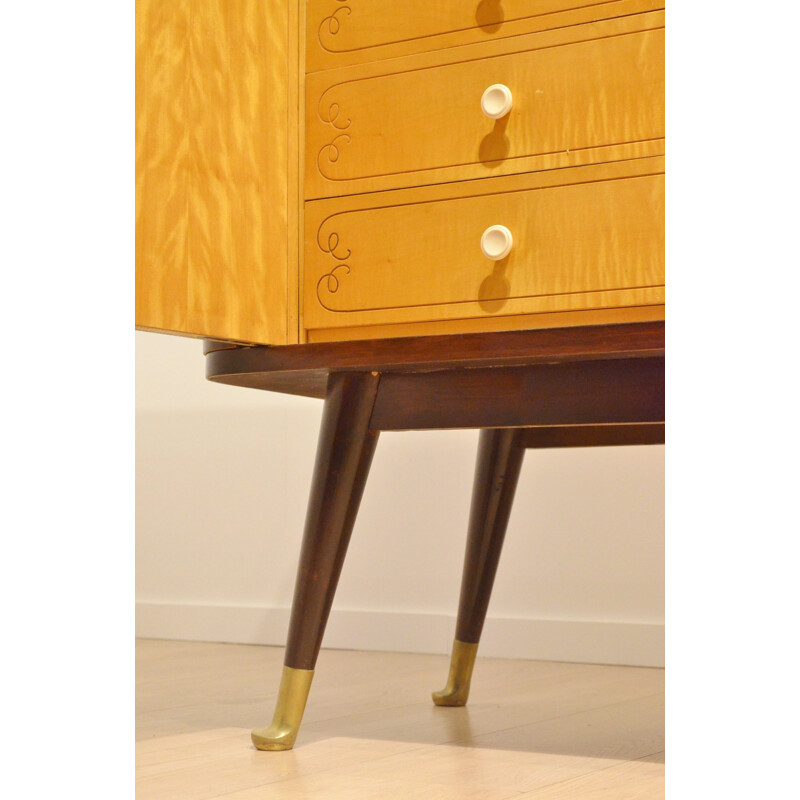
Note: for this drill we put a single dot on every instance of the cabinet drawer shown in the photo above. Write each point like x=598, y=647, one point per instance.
x=586, y=238
x=585, y=95
x=344, y=32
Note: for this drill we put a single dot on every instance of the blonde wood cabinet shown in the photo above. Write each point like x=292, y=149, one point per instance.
x=325, y=171
x=343, y=179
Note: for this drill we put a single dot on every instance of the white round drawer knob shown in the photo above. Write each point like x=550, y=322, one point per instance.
x=496, y=101
x=496, y=242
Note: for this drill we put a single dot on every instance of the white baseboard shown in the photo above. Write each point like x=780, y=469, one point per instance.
x=632, y=643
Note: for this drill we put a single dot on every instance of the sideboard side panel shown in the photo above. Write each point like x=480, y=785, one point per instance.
x=213, y=82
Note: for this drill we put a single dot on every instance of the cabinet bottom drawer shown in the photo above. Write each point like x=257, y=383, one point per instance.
x=582, y=239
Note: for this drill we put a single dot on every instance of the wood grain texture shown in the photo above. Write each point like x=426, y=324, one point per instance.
x=187, y=687
x=593, y=435
x=343, y=32
x=585, y=238
x=584, y=393
x=582, y=93
x=295, y=169
x=303, y=369
x=625, y=780
x=513, y=322
x=497, y=469
x=344, y=455
x=569, y=731
x=212, y=197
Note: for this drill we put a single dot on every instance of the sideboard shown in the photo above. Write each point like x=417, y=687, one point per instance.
x=431, y=214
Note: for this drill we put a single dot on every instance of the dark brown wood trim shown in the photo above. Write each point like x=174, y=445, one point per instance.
x=303, y=369
x=582, y=393
x=212, y=345
x=593, y=435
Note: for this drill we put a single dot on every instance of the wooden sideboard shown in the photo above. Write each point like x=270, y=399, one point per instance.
x=433, y=213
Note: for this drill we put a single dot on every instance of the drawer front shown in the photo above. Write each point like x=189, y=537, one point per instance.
x=578, y=96
x=344, y=32
x=591, y=237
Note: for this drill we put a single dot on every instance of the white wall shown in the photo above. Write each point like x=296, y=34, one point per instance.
x=222, y=481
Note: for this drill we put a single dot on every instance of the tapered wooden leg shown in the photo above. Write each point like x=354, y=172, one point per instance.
x=500, y=453
x=344, y=455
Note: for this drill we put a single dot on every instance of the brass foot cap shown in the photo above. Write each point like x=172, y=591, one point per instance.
x=452, y=697
x=272, y=739
x=462, y=661
x=292, y=696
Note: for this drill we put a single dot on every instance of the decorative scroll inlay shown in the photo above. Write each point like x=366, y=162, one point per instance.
x=330, y=116
x=331, y=152
x=329, y=113
x=333, y=243
x=333, y=22
x=329, y=282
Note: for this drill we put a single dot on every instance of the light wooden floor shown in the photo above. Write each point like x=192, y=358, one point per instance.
x=532, y=730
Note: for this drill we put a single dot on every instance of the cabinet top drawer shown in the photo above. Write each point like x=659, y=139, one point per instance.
x=342, y=32
x=578, y=96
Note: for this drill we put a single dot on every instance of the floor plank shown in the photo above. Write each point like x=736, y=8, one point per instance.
x=534, y=756
x=531, y=730
x=630, y=780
